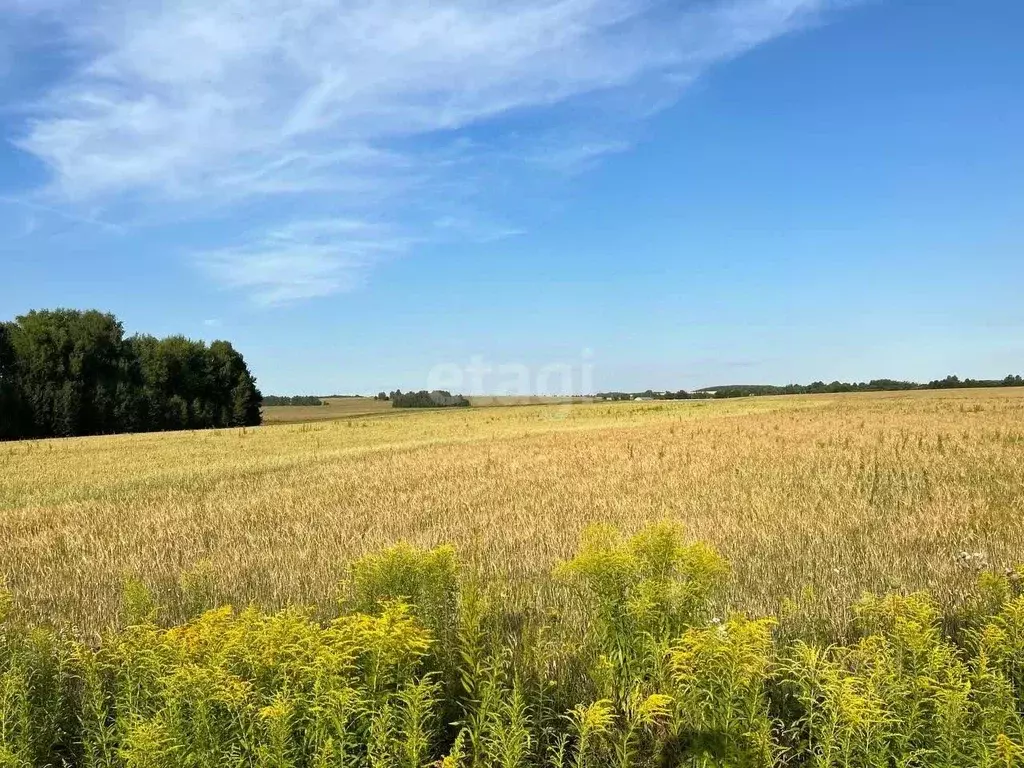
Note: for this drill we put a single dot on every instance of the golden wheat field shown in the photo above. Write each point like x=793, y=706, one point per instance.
x=813, y=498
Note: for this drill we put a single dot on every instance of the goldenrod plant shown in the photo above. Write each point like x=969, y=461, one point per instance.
x=424, y=667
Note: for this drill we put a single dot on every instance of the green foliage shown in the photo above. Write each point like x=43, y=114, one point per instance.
x=438, y=398
x=904, y=695
x=643, y=723
x=137, y=604
x=591, y=724
x=36, y=697
x=12, y=410
x=425, y=580
x=6, y=603
x=297, y=400
x=719, y=676
x=655, y=680
x=65, y=373
x=641, y=593
x=250, y=688
x=875, y=385
x=198, y=586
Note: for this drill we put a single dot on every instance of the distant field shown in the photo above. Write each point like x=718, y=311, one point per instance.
x=811, y=497
x=345, y=407
x=335, y=408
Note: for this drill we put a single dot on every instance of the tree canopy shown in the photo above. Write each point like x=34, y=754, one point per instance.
x=292, y=400
x=67, y=372
x=439, y=398
x=875, y=385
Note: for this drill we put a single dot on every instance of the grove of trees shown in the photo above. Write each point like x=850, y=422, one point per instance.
x=67, y=372
x=293, y=400
x=439, y=398
x=649, y=394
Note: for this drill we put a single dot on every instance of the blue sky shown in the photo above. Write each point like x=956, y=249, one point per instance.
x=655, y=193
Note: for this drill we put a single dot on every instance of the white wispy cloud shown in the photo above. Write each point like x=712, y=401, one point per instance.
x=474, y=228
x=303, y=259
x=198, y=103
x=78, y=217
x=576, y=154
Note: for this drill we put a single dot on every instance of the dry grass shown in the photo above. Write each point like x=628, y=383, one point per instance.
x=817, y=498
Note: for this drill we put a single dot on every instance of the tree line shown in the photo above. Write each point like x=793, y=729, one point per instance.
x=648, y=394
x=293, y=400
x=439, y=398
x=67, y=372
x=875, y=385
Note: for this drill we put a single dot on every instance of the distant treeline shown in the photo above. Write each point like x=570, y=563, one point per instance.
x=66, y=372
x=875, y=385
x=650, y=394
x=294, y=400
x=439, y=398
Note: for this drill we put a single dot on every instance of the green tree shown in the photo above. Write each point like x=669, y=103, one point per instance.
x=67, y=372
x=12, y=421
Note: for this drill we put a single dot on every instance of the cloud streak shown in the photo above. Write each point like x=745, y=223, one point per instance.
x=303, y=259
x=201, y=105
